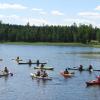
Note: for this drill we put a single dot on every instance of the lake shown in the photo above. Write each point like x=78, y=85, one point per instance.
x=21, y=86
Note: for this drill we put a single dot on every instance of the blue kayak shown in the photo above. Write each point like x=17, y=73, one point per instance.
x=84, y=69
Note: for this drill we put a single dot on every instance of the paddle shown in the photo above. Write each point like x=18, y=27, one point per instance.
x=11, y=74
x=74, y=68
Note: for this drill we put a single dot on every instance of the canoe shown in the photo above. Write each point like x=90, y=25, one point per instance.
x=45, y=68
x=5, y=74
x=93, y=82
x=30, y=63
x=84, y=69
x=39, y=77
x=67, y=75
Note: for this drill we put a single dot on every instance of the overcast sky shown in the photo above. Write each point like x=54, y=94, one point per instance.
x=50, y=12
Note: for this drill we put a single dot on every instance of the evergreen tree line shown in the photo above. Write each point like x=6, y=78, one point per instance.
x=20, y=33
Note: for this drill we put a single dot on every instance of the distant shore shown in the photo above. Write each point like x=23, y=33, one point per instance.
x=52, y=44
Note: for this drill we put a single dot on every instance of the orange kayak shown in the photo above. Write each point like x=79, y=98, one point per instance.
x=67, y=75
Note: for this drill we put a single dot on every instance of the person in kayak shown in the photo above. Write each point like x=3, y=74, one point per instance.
x=66, y=71
x=37, y=62
x=90, y=68
x=38, y=73
x=44, y=74
x=29, y=61
x=42, y=65
x=17, y=58
x=81, y=68
x=6, y=70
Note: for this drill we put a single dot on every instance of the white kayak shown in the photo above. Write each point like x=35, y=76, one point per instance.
x=40, y=77
x=2, y=73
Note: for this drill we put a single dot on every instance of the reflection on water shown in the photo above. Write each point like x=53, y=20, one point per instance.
x=86, y=52
x=40, y=82
x=93, y=56
x=4, y=77
x=90, y=55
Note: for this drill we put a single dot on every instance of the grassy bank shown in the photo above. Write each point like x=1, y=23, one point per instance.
x=52, y=44
x=93, y=45
x=44, y=43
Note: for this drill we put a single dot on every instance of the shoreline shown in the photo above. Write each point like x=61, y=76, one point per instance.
x=51, y=44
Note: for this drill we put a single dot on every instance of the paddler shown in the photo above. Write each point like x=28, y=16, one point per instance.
x=66, y=71
x=38, y=73
x=90, y=68
x=42, y=65
x=6, y=70
x=30, y=61
x=17, y=58
x=44, y=74
x=37, y=62
x=81, y=68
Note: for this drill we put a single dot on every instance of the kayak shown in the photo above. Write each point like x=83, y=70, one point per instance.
x=45, y=68
x=84, y=69
x=5, y=74
x=34, y=76
x=30, y=63
x=18, y=59
x=67, y=75
x=93, y=82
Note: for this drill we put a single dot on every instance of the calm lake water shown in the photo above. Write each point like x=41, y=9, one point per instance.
x=21, y=86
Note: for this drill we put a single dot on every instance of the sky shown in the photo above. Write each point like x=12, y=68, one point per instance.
x=50, y=12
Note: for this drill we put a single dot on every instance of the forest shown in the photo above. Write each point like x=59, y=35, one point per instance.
x=25, y=33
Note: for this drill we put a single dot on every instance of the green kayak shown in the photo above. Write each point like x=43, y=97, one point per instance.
x=30, y=63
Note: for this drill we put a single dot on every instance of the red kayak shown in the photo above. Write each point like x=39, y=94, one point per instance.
x=93, y=82
x=67, y=75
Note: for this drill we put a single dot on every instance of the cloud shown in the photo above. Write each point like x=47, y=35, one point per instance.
x=37, y=9
x=57, y=13
x=97, y=8
x=93, y=15
x=9, y=17
x=14, y=19
x=2, y=16
x=43, y=13
x=89, y=14
x=12, y=6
